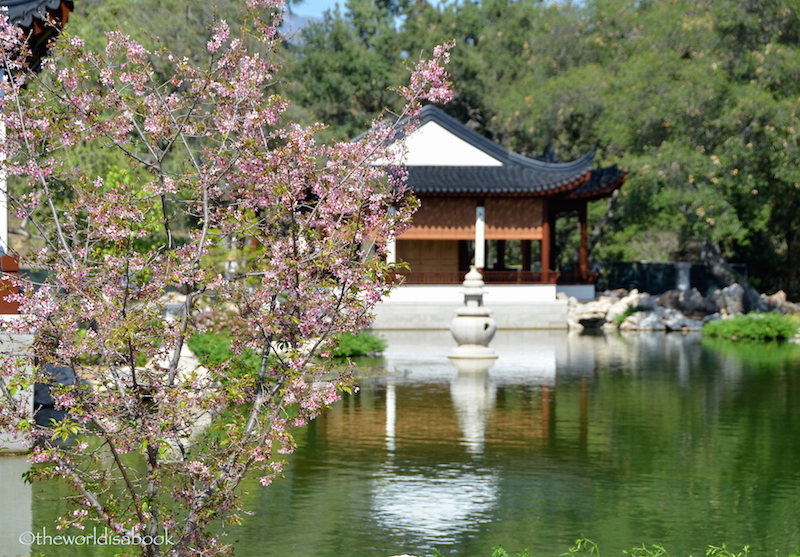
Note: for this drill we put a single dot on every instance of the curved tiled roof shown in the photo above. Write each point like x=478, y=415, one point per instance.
x=517, y=175
x=506, y=179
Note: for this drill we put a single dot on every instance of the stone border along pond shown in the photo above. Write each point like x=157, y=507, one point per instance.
x=674, y=310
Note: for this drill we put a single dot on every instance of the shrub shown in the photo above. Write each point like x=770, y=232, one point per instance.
x=362, y=344
x=214, y=349
x=754, y=326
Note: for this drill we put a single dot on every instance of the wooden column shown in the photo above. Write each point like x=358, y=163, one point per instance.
x=545, y=241
x=8, y=285
x=583, y=255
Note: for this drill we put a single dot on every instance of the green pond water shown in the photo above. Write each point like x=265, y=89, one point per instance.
x=648, y=438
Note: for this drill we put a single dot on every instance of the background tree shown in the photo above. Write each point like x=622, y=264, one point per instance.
x=697, y=100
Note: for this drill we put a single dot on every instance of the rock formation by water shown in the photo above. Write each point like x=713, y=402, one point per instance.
x=674, y=310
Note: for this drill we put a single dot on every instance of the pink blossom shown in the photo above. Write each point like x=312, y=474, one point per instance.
x=221, y=34
x=210, y=173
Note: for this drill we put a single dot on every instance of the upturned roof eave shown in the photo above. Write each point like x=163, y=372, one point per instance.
x=602, y=192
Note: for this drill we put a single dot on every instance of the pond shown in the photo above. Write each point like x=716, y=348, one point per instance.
x=648, y=438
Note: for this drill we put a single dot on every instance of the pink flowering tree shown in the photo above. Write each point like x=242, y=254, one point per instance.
x=154, y=451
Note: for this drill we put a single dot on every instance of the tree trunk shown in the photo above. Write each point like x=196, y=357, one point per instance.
x=722, y=271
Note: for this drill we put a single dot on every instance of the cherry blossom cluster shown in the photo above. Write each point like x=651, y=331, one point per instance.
x=211, y=172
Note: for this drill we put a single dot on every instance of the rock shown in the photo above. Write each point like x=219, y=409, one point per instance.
x=691, y=302
x=643, y=321
x=617, y=308
x=674, y=310
x=693, y=325
x=670, y=299
x=712, y=317
x=639, y=299
x=44, y=405
x=730, y=300
x=675, y=320
x=777, y=299
x=633, y=299
x=590, y=314
x=59, y=375
x=617, y=294
x=779, y=303
x=645, y=300
x=573, y=324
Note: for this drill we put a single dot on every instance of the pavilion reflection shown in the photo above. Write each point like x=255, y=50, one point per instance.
x=436, y=501
x=448, y=425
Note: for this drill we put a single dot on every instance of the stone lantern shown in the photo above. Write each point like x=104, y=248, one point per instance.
x=473, y=326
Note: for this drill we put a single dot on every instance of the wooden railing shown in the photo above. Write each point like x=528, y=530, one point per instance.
x=489, y=277
x=500, y=277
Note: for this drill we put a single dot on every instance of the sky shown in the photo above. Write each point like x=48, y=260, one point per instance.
x=315, y=8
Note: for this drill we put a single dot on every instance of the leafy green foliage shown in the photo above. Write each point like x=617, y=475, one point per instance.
x=500, y=552
x=363, y=344
x=215, y=349
x=581, y=546
x=754, y=326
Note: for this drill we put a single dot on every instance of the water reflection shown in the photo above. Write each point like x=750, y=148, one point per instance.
x=473, y=395
x=433, y=508
x=625, y=439
x=15, y=506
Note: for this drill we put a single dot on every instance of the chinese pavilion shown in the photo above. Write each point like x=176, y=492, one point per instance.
x=475, y=194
